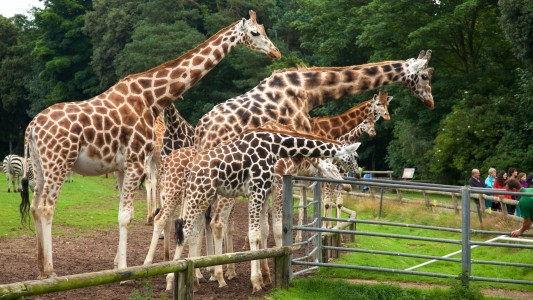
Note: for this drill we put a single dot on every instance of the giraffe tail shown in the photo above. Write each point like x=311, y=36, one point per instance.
x=179, y=231
x=208, y=215
x=24, y=193
x=157, y=210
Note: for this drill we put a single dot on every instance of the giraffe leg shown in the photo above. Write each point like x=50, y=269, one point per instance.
x=265, y=270
x=328, y=191
x=217, y=227
x=125, y=214
x=160, y=224
x=209, y=237
x=277, y=214
x=166, y=241
x=230, y=272
x=254, y=236
x=298, y=237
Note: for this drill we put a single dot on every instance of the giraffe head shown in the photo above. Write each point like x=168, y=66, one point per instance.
x=347, y=159
x=255, y=37
x=326, y=169
x=380, y=105
x=368, y=126
x=418, y=78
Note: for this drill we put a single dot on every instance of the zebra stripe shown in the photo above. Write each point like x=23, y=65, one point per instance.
x=13, y=167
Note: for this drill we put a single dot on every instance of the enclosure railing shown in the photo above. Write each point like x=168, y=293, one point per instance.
x=184, y=277
x=466, y=242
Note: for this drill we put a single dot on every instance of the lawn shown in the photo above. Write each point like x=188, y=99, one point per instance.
x=85, y=204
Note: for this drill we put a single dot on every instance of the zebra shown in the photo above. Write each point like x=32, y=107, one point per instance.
x=13, y=167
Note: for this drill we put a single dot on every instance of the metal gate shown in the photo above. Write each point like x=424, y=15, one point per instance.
x=313, y=245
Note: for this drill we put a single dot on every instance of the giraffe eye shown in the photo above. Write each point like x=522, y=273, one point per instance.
x=424, y=77
x=254, y=33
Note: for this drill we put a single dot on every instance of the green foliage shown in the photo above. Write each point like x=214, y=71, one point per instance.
x=516, y=21
x=146, y=292
x=62, y=47
x=73, y=50
x=110, y=26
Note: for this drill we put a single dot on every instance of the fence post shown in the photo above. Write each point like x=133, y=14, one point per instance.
x=426, y=198
x=282, y=268
x=454, y=202
x=184, y=283
x=317, y=212
x=465, y=232
x=504, y=207
x=288, y=207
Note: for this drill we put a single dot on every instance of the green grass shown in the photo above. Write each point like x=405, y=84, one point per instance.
x=394, y=212
x=85, y=204
x=320, y=289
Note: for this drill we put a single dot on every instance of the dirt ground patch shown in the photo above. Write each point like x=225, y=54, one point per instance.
x=96, y=252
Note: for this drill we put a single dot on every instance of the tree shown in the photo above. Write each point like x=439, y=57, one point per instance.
x=517, y=23
x=17, y=69
x=65, y=51
x=110, y=26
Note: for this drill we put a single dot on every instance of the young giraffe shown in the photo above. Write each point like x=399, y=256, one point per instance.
x=244, y=166
x=114, y=131
x=367, y=126
x=345, y=125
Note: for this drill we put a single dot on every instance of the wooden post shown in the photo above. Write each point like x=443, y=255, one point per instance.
x=504, y=206
x=455, y=204
x=185, y=283
x=426, y=198
x=399, y=193
x=482, y=203
x=281, y=269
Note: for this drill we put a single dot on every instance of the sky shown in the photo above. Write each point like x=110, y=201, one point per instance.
x=9, y=8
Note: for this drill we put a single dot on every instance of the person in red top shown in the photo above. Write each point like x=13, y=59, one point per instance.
x=499, y=183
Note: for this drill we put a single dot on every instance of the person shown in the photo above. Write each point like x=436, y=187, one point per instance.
x=512, y=173
x=525, y=203
x=489, y=183
x=522, y=178
x=476, y=181
x=529, y=180
x=499, y=183
x=366, y=176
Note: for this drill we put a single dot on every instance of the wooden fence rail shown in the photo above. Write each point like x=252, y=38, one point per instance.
x=281, y=257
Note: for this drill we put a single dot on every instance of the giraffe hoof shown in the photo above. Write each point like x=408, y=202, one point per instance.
x=222, y=284
x=212, y=278
x=231, y=275
x=127, y=283
x=46, y=276
x=256, y=288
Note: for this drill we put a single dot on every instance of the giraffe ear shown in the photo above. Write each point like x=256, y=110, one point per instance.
x=421, y=54
x=389, y=99
x=430, y=72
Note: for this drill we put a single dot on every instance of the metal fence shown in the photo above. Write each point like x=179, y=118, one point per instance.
x=313, y=241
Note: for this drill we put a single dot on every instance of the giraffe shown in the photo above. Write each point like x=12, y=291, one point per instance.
x=344, y=128
x=244, y=166
x=274, y=97
x=114, y=131
x=151, y=165
x=179, y=133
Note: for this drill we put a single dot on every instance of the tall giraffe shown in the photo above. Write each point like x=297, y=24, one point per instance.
x=275, y=98
x=114, y=131
x=244, y=166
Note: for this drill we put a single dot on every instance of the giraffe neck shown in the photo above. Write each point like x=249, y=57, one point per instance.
x=179, y=133
x=336, y=126
x=324, y=84
x=353, y=135
x=163, y=84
